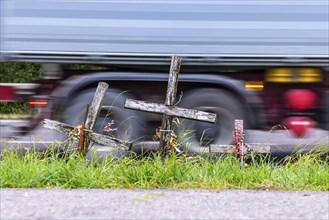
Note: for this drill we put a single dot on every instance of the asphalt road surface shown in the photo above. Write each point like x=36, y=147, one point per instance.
x=161, y=204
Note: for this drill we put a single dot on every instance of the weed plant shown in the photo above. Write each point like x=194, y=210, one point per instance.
x=38, y=170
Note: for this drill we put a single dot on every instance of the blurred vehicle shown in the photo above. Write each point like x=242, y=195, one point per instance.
x=265, y=62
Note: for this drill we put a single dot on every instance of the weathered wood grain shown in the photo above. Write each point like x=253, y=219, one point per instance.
x=110, y=141
x=98, y=138
x=167, y=120
x=57, y=126
x=171, y=111
x=96, y=105
x=92, y=116
x=173, y=81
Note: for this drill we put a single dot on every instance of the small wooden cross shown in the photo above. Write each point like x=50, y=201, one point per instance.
x=240, y=149
x=85, y=131
x=168, y=109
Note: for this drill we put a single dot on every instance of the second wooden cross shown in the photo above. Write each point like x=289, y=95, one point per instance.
x=168, y=109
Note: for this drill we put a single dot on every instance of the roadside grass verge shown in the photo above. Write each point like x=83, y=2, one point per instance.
x=35, y=170
x=14, y=116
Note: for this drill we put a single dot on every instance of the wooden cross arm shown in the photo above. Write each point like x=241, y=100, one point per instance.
x=110, y=141
x=98, y=138
x=57, y=126
x=171, y=111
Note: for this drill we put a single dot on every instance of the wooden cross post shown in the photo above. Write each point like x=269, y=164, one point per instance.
x=85, y=133
x=238, y=136
x=168, y=109
x=167, y=120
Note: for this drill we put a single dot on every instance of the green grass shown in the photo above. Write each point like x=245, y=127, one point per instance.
x=33, y=170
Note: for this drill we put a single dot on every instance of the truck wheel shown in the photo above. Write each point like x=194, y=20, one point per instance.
x=128, y=124
x=196, y=136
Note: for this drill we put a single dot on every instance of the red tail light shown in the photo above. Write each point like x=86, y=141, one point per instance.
x=38, y=103
x=301, y=99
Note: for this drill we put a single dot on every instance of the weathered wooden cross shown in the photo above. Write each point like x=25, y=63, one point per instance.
x=168, y=109
x=240, y=149
x=85, y=132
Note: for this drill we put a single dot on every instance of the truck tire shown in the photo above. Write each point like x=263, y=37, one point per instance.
x=129, y=124
x=196, y=136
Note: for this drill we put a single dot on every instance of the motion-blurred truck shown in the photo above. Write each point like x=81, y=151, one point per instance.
x=266, y=62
